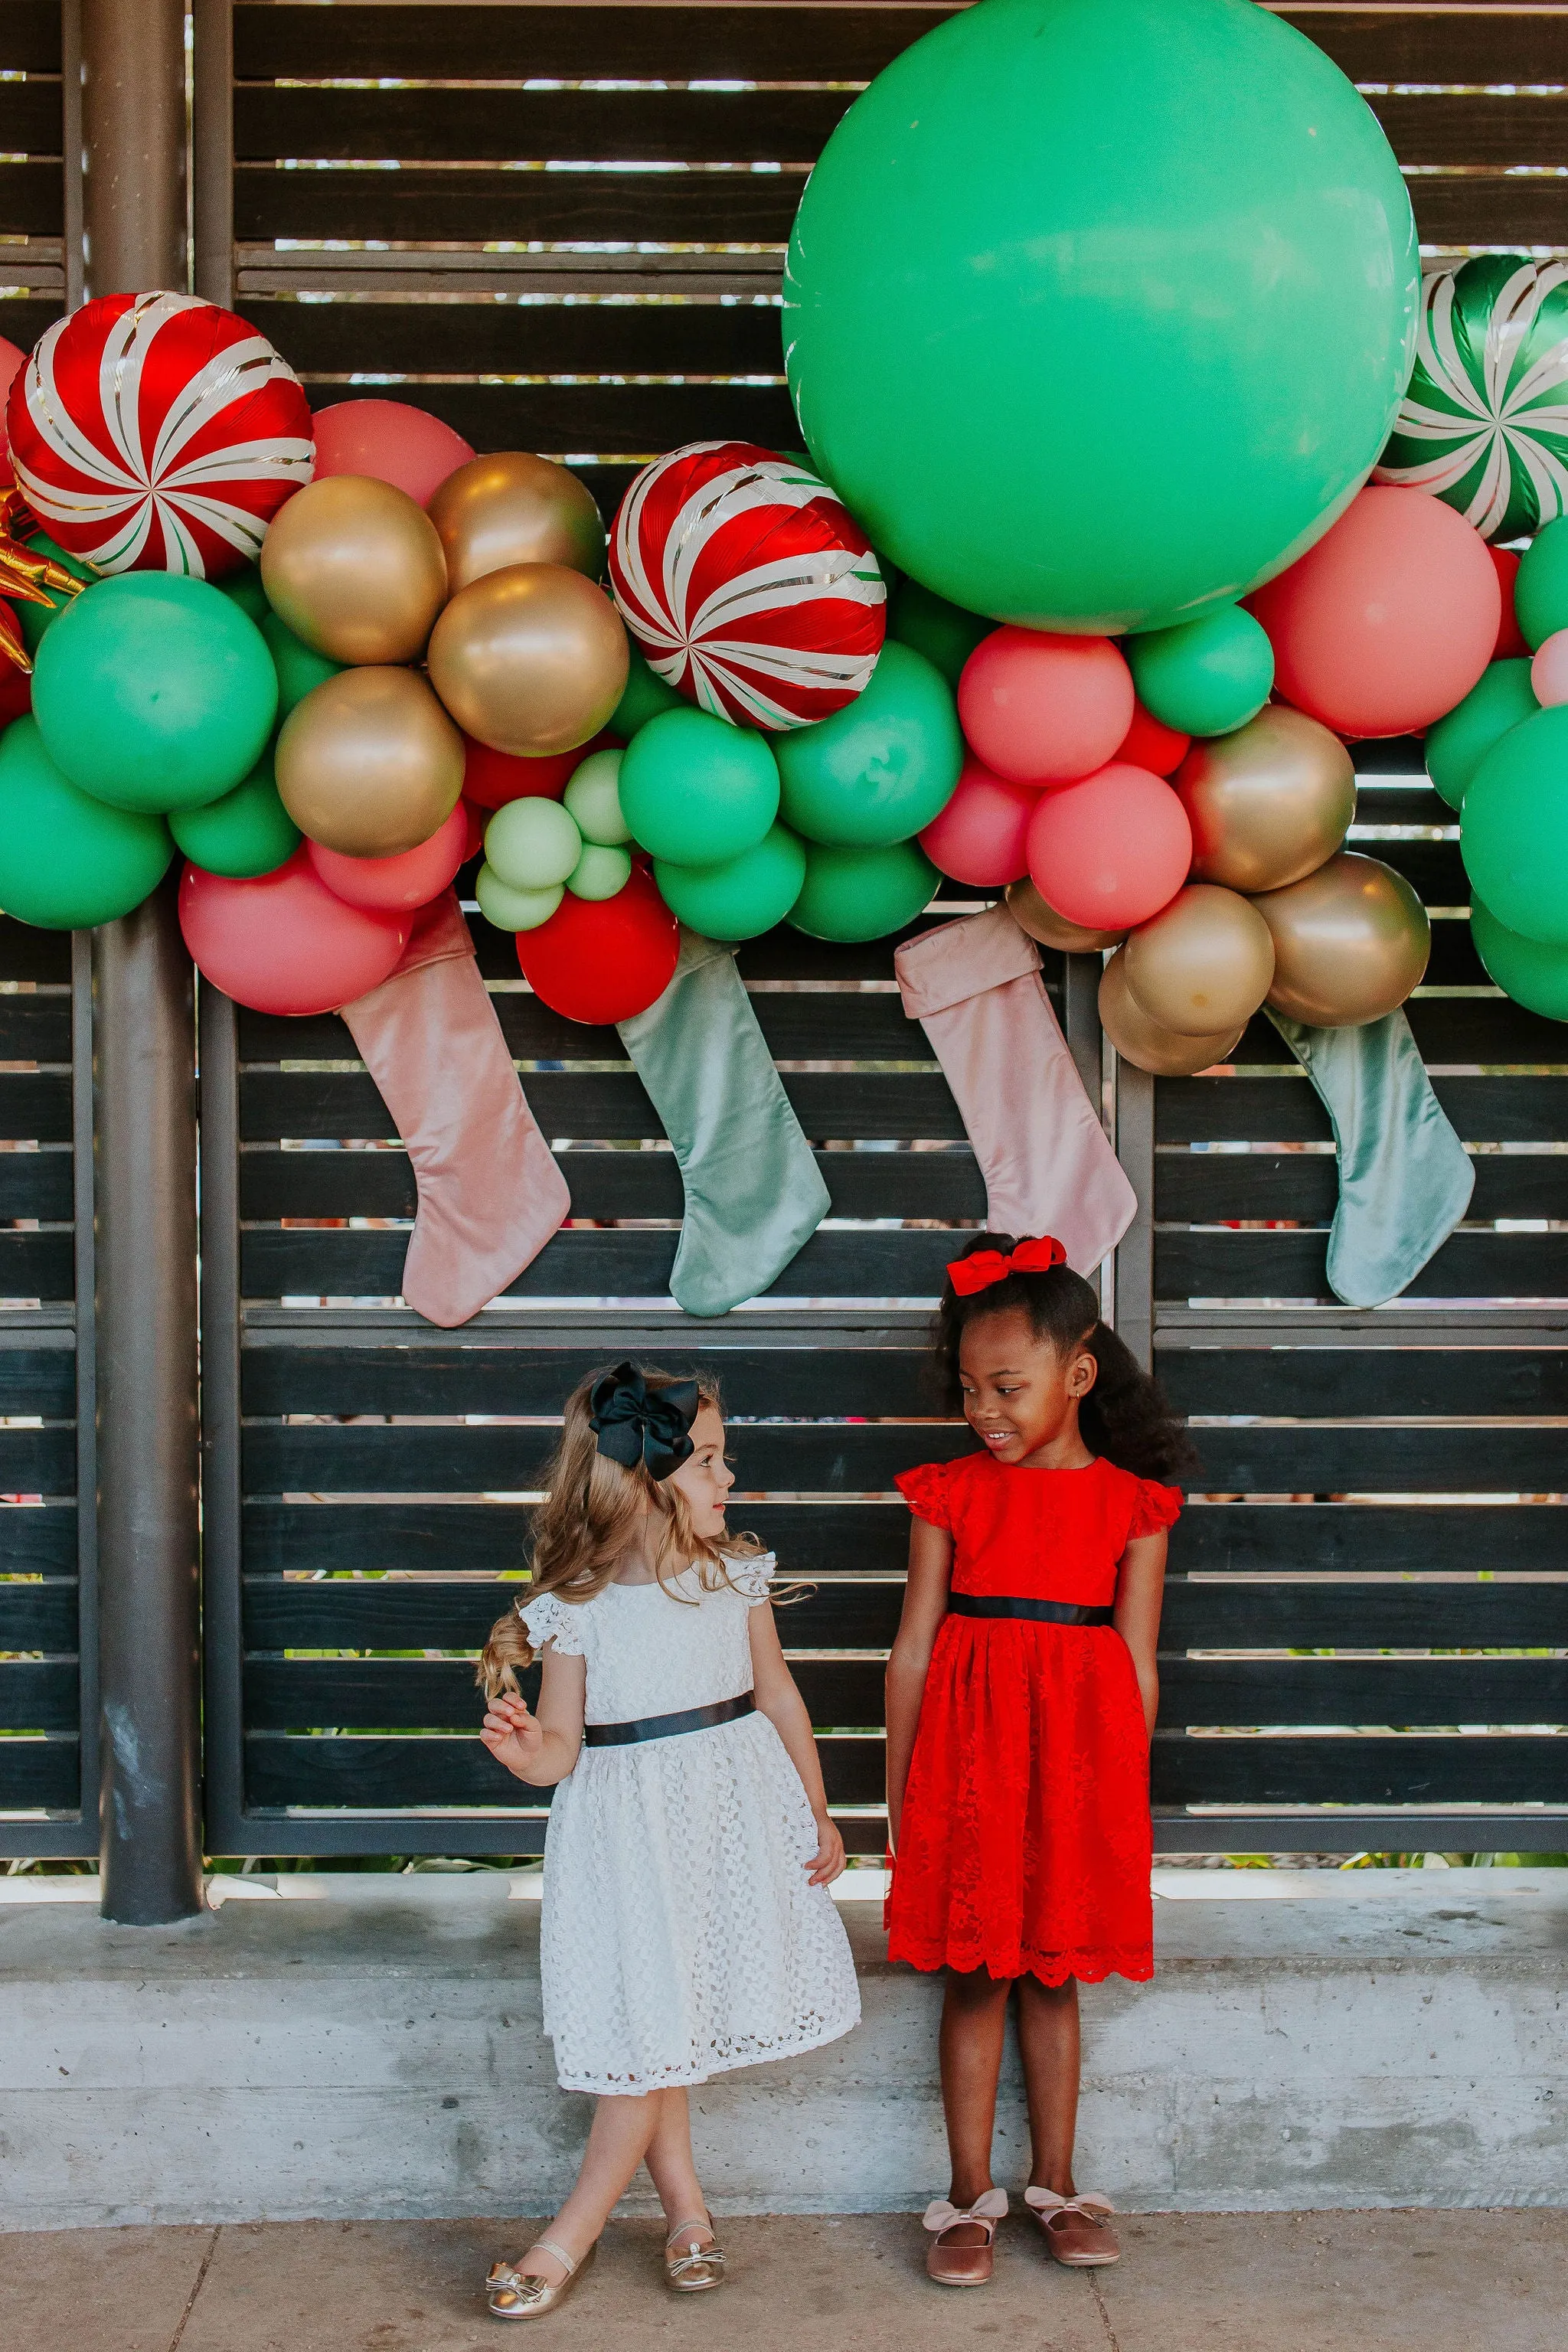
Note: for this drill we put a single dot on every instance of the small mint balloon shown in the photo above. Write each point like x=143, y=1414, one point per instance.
x=1209, y=677
x=154, y=692
x=514, y=910
x=593, y=800
x=66, y=860
x=601, y=872
x=531, y=844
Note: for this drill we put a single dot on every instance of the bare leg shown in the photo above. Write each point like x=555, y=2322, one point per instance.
x=617, y=2142
x=1048, y=2044
x=674, y=2169
x=973, y=2024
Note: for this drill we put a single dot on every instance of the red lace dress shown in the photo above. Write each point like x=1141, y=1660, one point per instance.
x=1024, y=1843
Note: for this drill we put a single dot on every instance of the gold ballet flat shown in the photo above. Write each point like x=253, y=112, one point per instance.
x=513, y=2292
x=696, y=2268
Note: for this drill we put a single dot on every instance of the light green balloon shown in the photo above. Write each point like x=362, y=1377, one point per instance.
x=593, y=800
x=883, y=767
x=1206, y=678
x=863, y=894
x=1455, y=747
x=1097, y=313
x=514, y=910
x=532, y=844
x=66, y=860
x=1514, y=829
x=248, y=833
x=1534, y=974
x=299, y=668
x=741, y=898
x=601, y=872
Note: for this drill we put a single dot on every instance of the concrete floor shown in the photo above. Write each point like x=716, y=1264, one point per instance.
x=1404, y=2282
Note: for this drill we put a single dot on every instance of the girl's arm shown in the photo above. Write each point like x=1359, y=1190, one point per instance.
x=925, y=1606
x=1140, y=1586
x=541, y=1749
x=779, y=1700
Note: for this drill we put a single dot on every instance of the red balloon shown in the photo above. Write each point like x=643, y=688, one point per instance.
x=1149, y=744
x=11, y=360
x=474, y=818
x=285, y=943
x=1389, y=620
x=602, y=960
x=392, y=441
x=1041, y=709
x=492, y=778
x=980, y=835
x=403, y=883
x=1511, y=645
x=1110, y=852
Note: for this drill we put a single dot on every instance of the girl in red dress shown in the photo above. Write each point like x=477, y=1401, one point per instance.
x=1021, y=1695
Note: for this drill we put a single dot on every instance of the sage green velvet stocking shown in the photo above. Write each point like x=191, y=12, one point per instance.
x=1405, y=1178
x=754, y=1195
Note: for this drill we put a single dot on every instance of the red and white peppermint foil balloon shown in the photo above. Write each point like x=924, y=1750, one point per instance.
x=158, y=433
x=748, y=584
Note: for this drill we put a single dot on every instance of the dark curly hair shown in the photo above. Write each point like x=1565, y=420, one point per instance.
x=1125, y=1417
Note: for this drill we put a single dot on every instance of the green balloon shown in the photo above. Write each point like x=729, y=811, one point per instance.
x=1541, y=585
x=944, y=633
x=1206, y=678
x=602, y=872
x=244, y=588
x=35, y=618
x=883, y=766
x=514, y=910
x=863, y=894
x=1534, y=974
x=741, y=898
x=248, y=832
x=531, y=844
x=1097, y=313
x=646, y=695
x=67, y=861
x=1513, y=832
x=154, y=692
x=695, y=790
x=593, y=800
x=301, y=670
x=1457, y=745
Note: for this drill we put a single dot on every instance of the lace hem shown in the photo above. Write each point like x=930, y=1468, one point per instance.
x=1090, y=1965
x=547, y=1619
x=755, y=2052
x=1155, y=1509
x=751, y=1576
x=926, y=1489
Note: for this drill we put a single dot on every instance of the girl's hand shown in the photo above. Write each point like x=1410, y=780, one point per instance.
x=513, y=1737
x=828, y=1863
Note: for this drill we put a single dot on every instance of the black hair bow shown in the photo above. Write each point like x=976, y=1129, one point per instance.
x=634, y=1423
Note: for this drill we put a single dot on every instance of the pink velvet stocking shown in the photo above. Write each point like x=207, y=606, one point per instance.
x=974, y=987
x=490, y=1194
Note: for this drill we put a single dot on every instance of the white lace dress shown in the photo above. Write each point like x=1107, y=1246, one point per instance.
x=680, y=1937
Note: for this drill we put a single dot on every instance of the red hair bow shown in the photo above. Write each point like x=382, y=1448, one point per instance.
x=979, y=1271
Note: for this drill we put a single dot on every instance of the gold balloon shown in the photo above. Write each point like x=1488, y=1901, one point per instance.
x=370, y=764
x=509, y=508
x=1203, y=963
x=530, y=660
x=1032, y=914
x=1350, y=943
x=1143, y=1043
x=1268, y=803
x=355, y=568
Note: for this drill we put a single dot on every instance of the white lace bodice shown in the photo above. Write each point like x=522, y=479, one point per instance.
x=649, y=1652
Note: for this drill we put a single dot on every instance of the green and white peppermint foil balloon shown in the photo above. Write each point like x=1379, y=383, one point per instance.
x=1484, y=425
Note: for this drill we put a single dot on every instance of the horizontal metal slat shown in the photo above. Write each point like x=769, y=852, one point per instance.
x=38, y=1616
x=1452, y=1539
x=1511, y=1769
x=489, y=338
x=38, y=1461
x=37, y=1379
x=1317, y=1457
x=35, y=1108
x=1200, y=1264
x=421, y=206
x=36, y=1695
x=505, y=126
x=32, y=199
x=1401, y=43
x=29, y=115
x=37, y=1540
x=37, y=1265
x=37, y=1774
x=1229, y=1613
x=1287, y=1110
x=34, y=1028
x=1202, y=1188
x=642, y=419
x=36, y=1185
x=1462, y=1382
x=1323, y=1692
x=26, y=953
x=302, y=1694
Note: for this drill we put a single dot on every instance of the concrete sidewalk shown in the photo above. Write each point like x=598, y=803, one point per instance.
x=1386, y=2282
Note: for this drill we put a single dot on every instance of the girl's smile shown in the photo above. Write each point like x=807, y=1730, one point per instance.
x=1021, y=1394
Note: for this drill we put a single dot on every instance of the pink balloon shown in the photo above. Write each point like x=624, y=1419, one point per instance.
x=1111, y=851
x=1041, y=709
x=979, y=837
x=285, y=943
x=12, y=363
x=397, y=884
x=1389, y=620
x=389, y=440
x=1548, y=670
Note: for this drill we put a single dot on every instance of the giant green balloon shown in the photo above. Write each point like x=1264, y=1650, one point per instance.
x=695, y=789
x=248, y=833
x=863, y=894
x=154, y=692
x=741, y=898
x=1455, y=747
x=1514, y=830
x=1532, y=973
x=882, y=767
x=67, y=861
x=1099, y=311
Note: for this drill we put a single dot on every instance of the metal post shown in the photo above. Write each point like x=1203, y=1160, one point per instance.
x=144, y=1144
x=1135, y=1254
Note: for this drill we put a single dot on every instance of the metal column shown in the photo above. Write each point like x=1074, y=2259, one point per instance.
x=135, y=135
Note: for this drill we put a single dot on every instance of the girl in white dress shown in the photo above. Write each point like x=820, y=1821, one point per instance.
x=686, y=1925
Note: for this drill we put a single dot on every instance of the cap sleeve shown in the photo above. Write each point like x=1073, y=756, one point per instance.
x=547, y=1619
x=1154, y=1508
x=752, y=1574
x=927, y=1491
